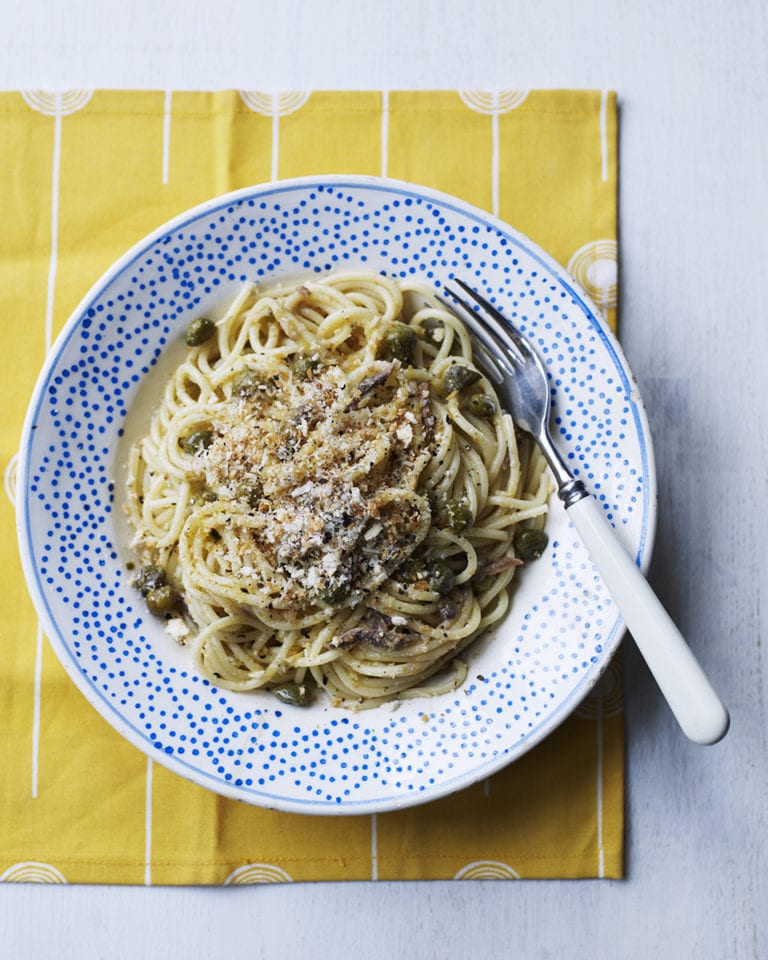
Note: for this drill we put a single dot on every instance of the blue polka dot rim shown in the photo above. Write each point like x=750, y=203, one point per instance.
x=523, y=681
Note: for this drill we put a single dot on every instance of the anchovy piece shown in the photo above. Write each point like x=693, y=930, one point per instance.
x=369, y=384
x=498, y=566
x=448, y=609
x=378, y=632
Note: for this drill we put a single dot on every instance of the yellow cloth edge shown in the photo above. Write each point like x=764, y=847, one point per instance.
x=459, y=108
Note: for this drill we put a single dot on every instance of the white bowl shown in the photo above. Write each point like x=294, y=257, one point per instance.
x=94, y=389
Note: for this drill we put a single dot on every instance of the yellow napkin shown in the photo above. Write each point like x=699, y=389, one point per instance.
x=85, y=175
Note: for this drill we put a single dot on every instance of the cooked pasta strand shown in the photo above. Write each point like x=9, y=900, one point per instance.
x=322, y=498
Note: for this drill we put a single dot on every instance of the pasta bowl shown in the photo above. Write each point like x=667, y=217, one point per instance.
x=97, y=391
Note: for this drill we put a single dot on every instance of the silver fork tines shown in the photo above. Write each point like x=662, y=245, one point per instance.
x=524, y=351
x=526, y=385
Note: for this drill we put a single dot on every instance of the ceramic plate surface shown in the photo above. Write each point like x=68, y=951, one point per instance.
x=107, y=366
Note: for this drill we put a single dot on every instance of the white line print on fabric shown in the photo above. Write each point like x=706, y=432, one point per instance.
x=56, y=105
x=275, y=105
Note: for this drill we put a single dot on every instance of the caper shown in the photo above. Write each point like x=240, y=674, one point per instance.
x=483, y=584
x=208, y=496
x=435, y=333
x=251, y=491
x=457, y=378
x=458, y=515
x=412, y=570
x=162, y=600
x=296, y=694
x=398, y=343
x=149, y=578
x=436, y=500
x=335, y=593
x=529, y=544
x=199, y=331
x=304, y=366
x=197, y=441
x=247, y=383
x=454, y=514
x=481, y=405
x=440, y=577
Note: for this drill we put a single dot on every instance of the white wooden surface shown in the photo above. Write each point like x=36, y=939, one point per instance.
x=692, y=76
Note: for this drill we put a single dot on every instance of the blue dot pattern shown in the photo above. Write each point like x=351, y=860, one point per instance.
x=523, y=681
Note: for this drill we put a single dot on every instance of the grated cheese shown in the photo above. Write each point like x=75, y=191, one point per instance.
x=338, y=469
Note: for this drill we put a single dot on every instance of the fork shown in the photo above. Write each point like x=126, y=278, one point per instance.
x=510, y=360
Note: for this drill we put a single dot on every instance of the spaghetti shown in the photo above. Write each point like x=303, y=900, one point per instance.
x=328, y=495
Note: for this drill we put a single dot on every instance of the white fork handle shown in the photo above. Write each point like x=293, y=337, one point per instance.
x=697, y=707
